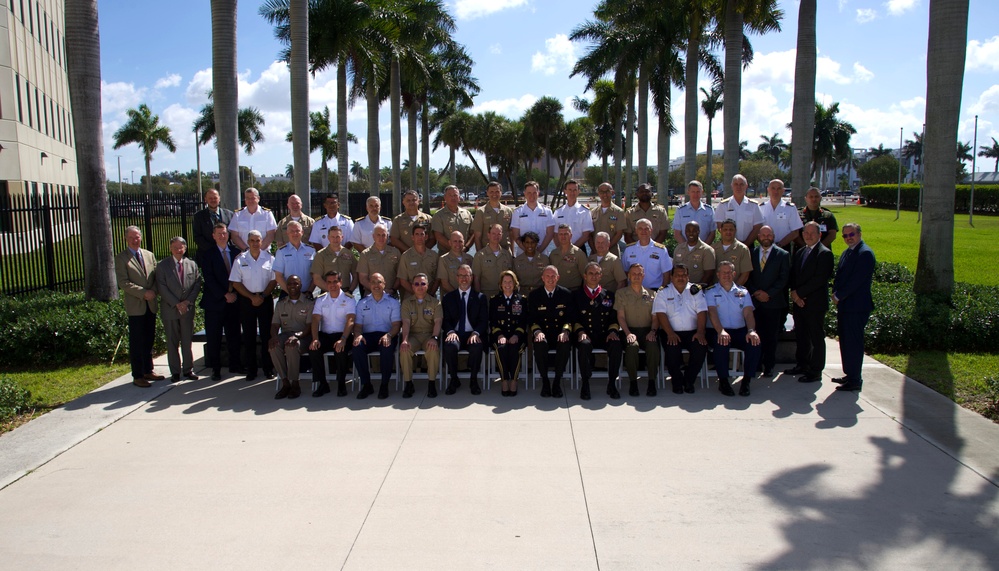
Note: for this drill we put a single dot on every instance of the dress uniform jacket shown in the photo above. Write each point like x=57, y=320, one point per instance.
x=327, y=260
x=412, y=263
x=384, y=262
x=570, y=266
x=447, y=267
x=610, y=221
x=823, y=216
x=507, y=317
x=551, y=315
x=281, y=235
x=362, y=235
x=321, y=229
x=402, y=227
x=745, y=214
x=656, y=214
x=487, y=267
x=486, y=216
x=447, y=222
x=529, y=271
x=698, y=260
x=613, y=271
x=596, y=317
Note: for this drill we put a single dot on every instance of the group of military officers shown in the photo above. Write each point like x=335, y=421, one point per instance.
x=507, y=296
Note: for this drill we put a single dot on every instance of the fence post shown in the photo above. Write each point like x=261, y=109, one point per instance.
x=50, y=278
x=148, y=215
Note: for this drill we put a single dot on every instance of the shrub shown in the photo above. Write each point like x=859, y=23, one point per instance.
x=887, y=195
x=13, y=399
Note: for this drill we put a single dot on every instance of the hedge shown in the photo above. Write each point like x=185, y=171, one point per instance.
x=886, y=195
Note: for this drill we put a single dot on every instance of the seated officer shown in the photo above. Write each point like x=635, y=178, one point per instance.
x=634, y=316
x=596, y=328
x=289, y=334
x=466, y=317
x=332, y=324
x=731, y=310
x=421, y=331
x=375, y=328
x=682, y=313
x=551, y=314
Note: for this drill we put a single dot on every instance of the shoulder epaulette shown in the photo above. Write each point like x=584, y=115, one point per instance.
x=695, y=289
x=240, y=209
x=262, y=207
x=358, y=219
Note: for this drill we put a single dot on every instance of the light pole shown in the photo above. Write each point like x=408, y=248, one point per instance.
x=971, y=203
x=119, y=174
x=197, y=154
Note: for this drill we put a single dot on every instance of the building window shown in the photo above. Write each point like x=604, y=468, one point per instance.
x=31, y=19
x=20, y=112
x=27, y=98
x=38, y=110
x=45, y=18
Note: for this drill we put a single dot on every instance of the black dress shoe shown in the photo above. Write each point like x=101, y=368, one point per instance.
x=284, y=391
x=725, y=388
x=174, y=378
x=809, y=378
x=651, y=391
x=744, y=387
x=557, y=391
x=505, y=393
x=190, y=376
x=432, y=390
x=452, y=387
x=216, y=375
x=678, y=390
x=474, y=387
x=839, y=380
x=237, y=370
x=341, y=389
x=795, y=371
x=546, y=389
x=768, y=373
x=633, y=389
x=584, y=391
x=849, y=387
x=408, y=390
x=689, y=389
x=366, y=391
x=612, y=391
x=383, y=391
x=269, y=374
x=251, y=377
x=513, y=393
x=296, y=390
x=322, y=389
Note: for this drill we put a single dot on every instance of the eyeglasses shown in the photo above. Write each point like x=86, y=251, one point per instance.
x=420, y=284
x=464, y=275
x=849, y=234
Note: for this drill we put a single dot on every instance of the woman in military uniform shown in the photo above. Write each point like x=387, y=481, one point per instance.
x=508, y=326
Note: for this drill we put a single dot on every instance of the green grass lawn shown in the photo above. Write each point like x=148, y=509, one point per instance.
x=959, y=376
x=898, y=240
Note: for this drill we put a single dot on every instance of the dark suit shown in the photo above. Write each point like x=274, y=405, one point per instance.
x=179, y=327
x=597, y=318
x=852, y=287
x=770, y=315
x=810, y=282
x=551, y=316
x=203, y=226
x=219, y=315
x=134, y=280
x=477, y=311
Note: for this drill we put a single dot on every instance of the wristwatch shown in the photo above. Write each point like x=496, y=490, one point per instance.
x=751, y=331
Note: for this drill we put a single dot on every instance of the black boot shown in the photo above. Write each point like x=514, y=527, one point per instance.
x=546, y=388
x=612, y=389
x=725, y=388
x=557, y=389
x=584, y=390
x=452, y=387
x=432, y=390
x=408, y=390
x=651, y=390
x=383, y=391
x=366, y=391
x=633, y=389
x=341, y=388
x=284, y=391
x=744, y=387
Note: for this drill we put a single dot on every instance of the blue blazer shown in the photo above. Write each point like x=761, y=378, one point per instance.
x=478, y=312
x=852, y=286
x=215, y=276
x=772, y=279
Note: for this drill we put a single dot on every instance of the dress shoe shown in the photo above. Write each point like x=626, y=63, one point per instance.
x=322, y=389
x=296, y=390
x=557, y=390
x=584, y=390
x=725, y=388
x=250, y=377
x=190, y=376
x=141, y=382
x=269, y=373
x=768, y=373
x=383, y=391
x=237, y=370
x=431, y=390
x=474, y=387
x=505, y=393
x=174, y=378
x=366, y=391
x=217, y=375
x=633, y=389
x=795, y=371
x=153, y=377
x=408, y=390
x=513, y=393
x=849, y=387
x=689, y=389
x=546, y=389
x=744, y=387
x=678, y=390
x=284, y=391
x=839, y=380
x=612, y=390
x=341, y=388
x=651, y=391
x=806, y=378
x=452, y=387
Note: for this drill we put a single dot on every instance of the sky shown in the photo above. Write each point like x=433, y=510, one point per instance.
x=872, y=61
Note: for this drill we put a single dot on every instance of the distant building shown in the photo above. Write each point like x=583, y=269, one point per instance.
x=553, y=170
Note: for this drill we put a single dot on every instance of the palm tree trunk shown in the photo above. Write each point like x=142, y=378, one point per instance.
x=663, y=158
x=374, y=143
x=300, y=103
x=629, y=141
x=643, y=125
x=226, y=99
x=708, y=181
x=425, y=138
x=618, y=147
x=946, y=52
x=343, y=175
x=395, y=109
x=803, y=108
x=733, y=88
x=149, y=176
x=690, y=100
x=411, y=133
x=83, y=54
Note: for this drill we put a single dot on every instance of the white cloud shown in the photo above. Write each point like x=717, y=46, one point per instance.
x=471, y=9
x=877, y=126
x=560, y=55
x=984, y=55
x=899, y=7
x=512, y=108
x=172, y=80
x=865, y=15
x=911, y=104
x=496, y=49
x=119, y=96
x=198, y=87
x=180, y=120
x=988, y=102
x=841, y=4
x=770, y=69
x=861, y=73
x=828, y=69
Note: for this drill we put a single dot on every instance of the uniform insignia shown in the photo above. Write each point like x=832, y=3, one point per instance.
x=695, y=289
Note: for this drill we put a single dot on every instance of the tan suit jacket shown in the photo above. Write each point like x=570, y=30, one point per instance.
x=172, y=291
x=134, y=282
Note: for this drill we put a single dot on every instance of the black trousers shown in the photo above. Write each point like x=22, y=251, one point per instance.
x=341, y=359
x=141, y=335
x=474, y=356
x=508, y=358
x=810, y=339
x=769, y=324
x=543, y=359
x=680, y=376
x=615, y=351
x=850, y=326
x=218, y=322
x=253, y=318
x=370, y=345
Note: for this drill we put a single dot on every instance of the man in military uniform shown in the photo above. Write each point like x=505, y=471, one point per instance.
x=744, y=212
x=253, y=277
x=609, y=218
x=452, y=218
x=529, y=264
x=252, y=217
x=205, y=220
x=768, y=286
x=448, y=264
x=491, y=261
x=653, y=256
x=613, y=275
x=575, y=215
x=364, y=227
x=682, y=313
x=295, y=258
x=494, y=212
x=814, y=212
x=416, y=260
x=401, y=234
x=332, y=324
x=633, y=305
x=335, y=257
x=698, y=257
x=730, y=308
x=694, y=211
x=295, y=214
x=568, y=259
x=782, y=217
x=728, y=249
x=290, y=329
x=379, y=258
x=376, y=326
x=645, y=210
x=596, y=327
x=532, y=217
x=551, y=313
x=422, y=317
x=319, y=236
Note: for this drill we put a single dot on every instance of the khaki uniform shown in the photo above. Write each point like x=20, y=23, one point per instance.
x=292, y=318
x=447, y=267
x=529, y=271
x=570, y=266
x=446, y=222
x=412, y=263
x=281, y=234
x=613, y=271
x=638, y=315
x=487, y=267
x=421, y=317
x=327, y=260
x=698, y=260
x=486, y=216
x=402, y=227
x=385, y=263
x=656, y=215
x=738, y=253
x=611, y=222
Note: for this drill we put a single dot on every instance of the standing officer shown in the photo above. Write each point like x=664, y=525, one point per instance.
x=375, y=328
x=854, y=303
x=252, y=217
x=491, y=261
x=568, y=258
x=319, y=236
x=253, y=277
x=634, y=315
x=682, y=313
x=551, y=313
x=450, y=219
x=403, y=225
x=494, y=212
x=364, y=227
x=731, y=313
x=419, y=259
x=596, y=328
x=135, y=269
x=745, y=212
x=289, y=333
x=645, y=210
x=728, y=249
x=529, y=264
x=613, y=276
x=768, y=286
x=578, y=218
x=811, y=269
x=814, y=212
x=295, y=214
x=295, y=257
x=219, y=301
x=205, y=220
x=178, y=282
x=448, y=264
x=332, y=323
x=782, y=217
x=466, y=318
x=608, y=218
x=379, y=258
x=653, y=256
x=422, y=317
x=694, y=211
x=696, y=255
x=532, y=217
x=335, y=258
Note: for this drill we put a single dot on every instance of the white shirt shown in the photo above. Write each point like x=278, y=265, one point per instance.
x=577, y=216
x=334, y=311
x=255, y=275
x=262, y=221
x=321, y=229
x=746, y=215
x=362, y=235
x=538, y=220
x=784, y=219
x=655, y=259
x=681, y=308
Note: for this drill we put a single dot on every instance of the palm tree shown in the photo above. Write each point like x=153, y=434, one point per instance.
x=699, y=17
x=913, y=149
x=248, y=122
x=945, y=59
x=831, y=144
x=321, y=138
x=803, y=107
x=224, y=83
x=144, y=129
x=990, y=152
x=712, y=103
x=601, y=110
x=357, y=171
x=83, y=54
x=545, y=116
x=772, y=147
x=298, y=66
x=879, y=151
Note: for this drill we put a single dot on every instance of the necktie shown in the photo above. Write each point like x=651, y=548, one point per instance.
x=138, y=256
x=808, y=250
x=763, y=260
x=180, y=272
x=228, y=262
x=462, y=314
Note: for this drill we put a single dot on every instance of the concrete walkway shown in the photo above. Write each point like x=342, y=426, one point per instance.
x=206, y=475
